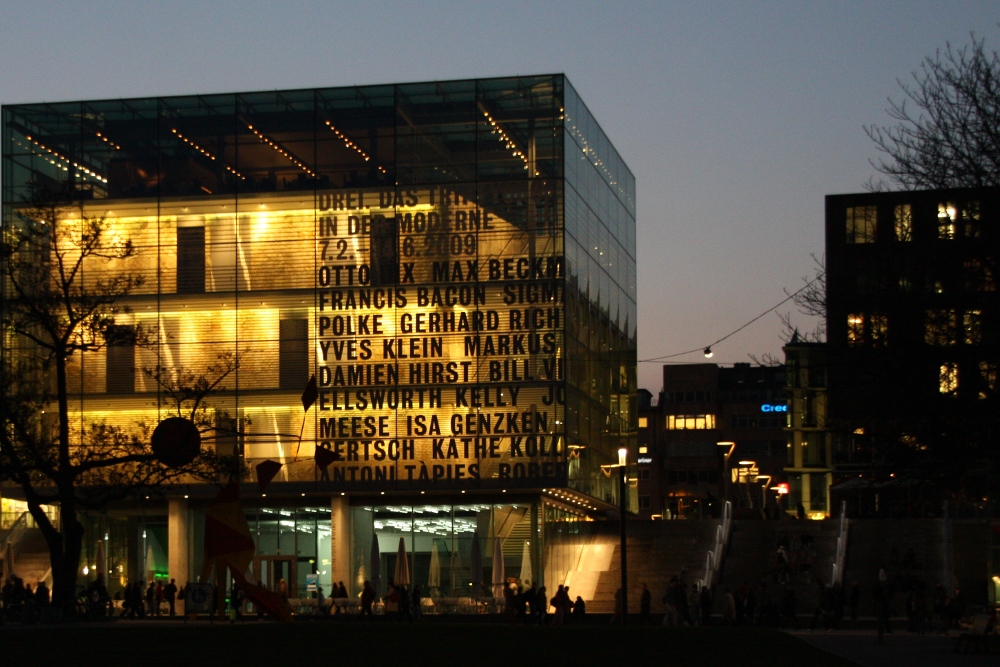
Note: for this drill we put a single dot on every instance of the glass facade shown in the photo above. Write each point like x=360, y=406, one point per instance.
x=600, y=301
x=454, y=263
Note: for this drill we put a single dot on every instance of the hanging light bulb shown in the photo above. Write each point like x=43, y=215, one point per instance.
x=708, y=352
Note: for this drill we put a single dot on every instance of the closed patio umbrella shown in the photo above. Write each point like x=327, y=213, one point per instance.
x=101, y=569
x=402, y=576
x=8, y=561
x=374, y=565
x=526, y=573
x=476, y=559
x=150, y=564
x=434, y=576
x=498, y=570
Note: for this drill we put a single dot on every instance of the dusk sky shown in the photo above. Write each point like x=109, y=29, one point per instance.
x=736, y=118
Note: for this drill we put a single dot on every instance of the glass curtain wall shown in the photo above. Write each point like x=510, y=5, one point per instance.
x=600, y=303
x=401, y=243
x=438, y=543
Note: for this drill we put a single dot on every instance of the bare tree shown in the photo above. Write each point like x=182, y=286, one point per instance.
x=187, y=394
x=947, y=124
x=809, y=300
x=52, y=312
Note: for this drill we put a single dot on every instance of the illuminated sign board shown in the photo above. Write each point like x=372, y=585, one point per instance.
x=644, y=460
x=438, y=334
x=768, y=407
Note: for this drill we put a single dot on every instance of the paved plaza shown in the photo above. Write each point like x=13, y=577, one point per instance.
x=900, y=648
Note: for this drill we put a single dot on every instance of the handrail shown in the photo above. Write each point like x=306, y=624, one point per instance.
x=837, y=576
x=16, y=530
x=713, y=559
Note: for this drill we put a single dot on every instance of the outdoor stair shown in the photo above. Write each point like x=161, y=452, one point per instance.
x=31, y=557
x=657, y=551
x=752, y=558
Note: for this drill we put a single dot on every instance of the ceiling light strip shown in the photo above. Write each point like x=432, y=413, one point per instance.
x=351, y=144
x=276, y=146
x=204, y=152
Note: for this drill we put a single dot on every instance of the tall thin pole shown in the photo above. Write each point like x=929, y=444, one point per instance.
x=623, y=501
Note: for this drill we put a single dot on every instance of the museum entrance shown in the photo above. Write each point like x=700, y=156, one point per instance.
x=270, y=570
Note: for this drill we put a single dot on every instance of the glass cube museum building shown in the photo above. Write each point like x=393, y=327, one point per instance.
x=454, y=263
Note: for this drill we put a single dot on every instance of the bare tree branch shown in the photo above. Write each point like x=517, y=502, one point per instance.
x=947, y=124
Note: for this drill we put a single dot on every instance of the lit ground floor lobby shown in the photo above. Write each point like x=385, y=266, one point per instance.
x=456, y=546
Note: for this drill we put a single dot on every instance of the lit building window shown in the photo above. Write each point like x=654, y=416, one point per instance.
x=880, y=330
x=904, y=223
x=690, y=422
x=948, y=379
x=861, y=224
x=972, y=327
x=856, y=329
x=988, y=375
x=940, y=327
x=643, y=422
x=947, y=217
x=643, y=449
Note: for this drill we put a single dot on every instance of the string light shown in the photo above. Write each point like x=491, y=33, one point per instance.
x=204, y=152
x=351, y=144
x=87, y=171
x=108, y=141
x=291, y=158
x=506, y=140
x=707, y=350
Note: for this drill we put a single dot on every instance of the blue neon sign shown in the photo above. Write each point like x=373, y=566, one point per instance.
x=768, y=407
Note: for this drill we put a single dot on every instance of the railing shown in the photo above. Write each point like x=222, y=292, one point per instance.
x=837, y=576
x=17, y=529
x=713, y=559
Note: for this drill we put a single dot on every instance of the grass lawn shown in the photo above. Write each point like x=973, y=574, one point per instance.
x=172, y=643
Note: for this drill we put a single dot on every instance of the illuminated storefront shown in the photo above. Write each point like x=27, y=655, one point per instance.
x=454, y=262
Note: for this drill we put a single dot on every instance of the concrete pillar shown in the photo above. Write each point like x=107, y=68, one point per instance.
x=178, y=540
x=340, y=542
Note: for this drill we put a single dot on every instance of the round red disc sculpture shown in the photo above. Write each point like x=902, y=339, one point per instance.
x=176, y=442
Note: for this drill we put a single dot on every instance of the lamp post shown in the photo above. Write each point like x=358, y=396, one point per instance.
x=725, y=468
x=744, y=478
x=781, y=490
x=763, y=491
x=623, y=509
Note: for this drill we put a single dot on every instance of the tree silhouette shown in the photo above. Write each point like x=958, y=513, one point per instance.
x=65, y=276
x=947, y=124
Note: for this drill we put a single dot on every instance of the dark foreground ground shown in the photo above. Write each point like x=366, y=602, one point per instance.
x=152, y=643
x=901, y=649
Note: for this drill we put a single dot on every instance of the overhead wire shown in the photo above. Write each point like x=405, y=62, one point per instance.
x=770, y=310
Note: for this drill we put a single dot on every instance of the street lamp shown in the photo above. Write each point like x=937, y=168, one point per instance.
x=763, y=491
x=623, y=500
x=779, y=491
x=744, y=478
x=623, y=509
x=725, y=468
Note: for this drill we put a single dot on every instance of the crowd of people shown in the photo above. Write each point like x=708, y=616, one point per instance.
x=139, y=600
x=532, y=605
x=519, y=605
x=19, y=598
